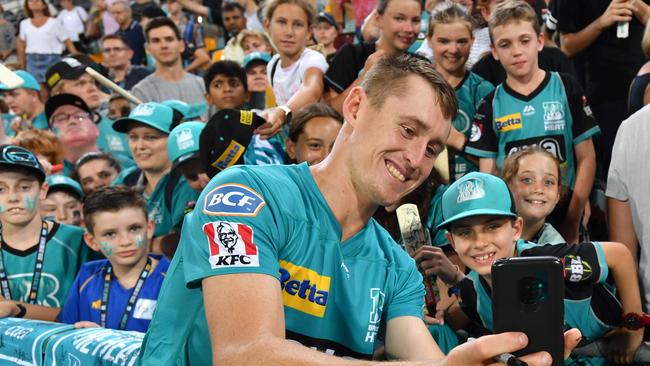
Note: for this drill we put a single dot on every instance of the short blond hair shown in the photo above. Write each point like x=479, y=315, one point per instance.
x=513, y=11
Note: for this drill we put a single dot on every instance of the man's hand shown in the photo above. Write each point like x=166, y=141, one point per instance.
x=86, y=324
x=275, y=118
x=8, y=308
x=482, y=351
x=621, y=345
x=617, y=11
x=433, y=261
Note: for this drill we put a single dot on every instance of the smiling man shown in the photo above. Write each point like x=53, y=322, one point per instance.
x=310, y=270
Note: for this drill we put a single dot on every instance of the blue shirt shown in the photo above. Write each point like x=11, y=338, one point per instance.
x=85, y=297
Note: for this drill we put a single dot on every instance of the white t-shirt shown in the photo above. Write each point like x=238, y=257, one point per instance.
x=47, y=38
x=73, y=20
x=628, y=181
x=287, y=81
x=253, y=21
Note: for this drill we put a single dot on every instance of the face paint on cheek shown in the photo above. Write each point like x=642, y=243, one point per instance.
x=139, y=241
x=2, y=208
x=106, y=248
x=30, y=203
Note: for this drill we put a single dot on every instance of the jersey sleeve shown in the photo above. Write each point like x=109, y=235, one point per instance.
x=233, y=229
x=483, y=141
x=183, y=198
x=616, y=182
x=408, y=298
x=313, y=59
x=584, y=263
x=341, y=73
x=483, y=89
x=584, y=125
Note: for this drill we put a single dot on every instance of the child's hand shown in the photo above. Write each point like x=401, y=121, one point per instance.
x=86, y=324
x=433, y=261
x=8, y=308
x=621, y=345
x=274, y=117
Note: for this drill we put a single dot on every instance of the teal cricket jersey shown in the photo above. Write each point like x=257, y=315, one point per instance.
x=274, y=220
x=469, y=92
x=39, y=122
x=65, y=252
x=555, y=116
x=590, y=302
x=114, y=142
x=168, y=213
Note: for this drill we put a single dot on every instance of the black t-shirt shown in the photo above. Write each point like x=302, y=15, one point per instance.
x=611, y=62
x=346, y=65
x=550, y=59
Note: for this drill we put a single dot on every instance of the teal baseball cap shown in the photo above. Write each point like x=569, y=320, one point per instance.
x=29, y=82
x=155, y=115
x=256, y=56
x=476, y=194
x=183, y=142
x=67, y=183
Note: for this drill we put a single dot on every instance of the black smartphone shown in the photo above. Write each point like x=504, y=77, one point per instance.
x=528, y=297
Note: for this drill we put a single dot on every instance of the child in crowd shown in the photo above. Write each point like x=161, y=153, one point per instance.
x=312, y=133
x=251, y=40
x=535, y=107
x=483, y=227
x=450, y=38
x=225, y=85
x=183, y=146
x=533, y=176
x=39, y=259
x=95, y=170
x=119, y=292
x=261, y=94
x=325, y=33
x=295, y=72
x=64, y=200
x=399, y=25
x=147, y=129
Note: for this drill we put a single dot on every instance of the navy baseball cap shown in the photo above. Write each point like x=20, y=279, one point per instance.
x=16, y=156
x=327, y=17
x=225, y=138
x=68, y=68
x=61, y=100
x=476, y=194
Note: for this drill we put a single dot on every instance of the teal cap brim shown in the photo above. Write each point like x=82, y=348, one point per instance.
x=472, y=213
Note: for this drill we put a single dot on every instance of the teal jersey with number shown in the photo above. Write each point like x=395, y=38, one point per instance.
x=65, y=252
x=273, y=220
x=111, y=141
x=590, y=302
x=39, y=122
x=168, y=213
x=469, y=92
x=555, y=116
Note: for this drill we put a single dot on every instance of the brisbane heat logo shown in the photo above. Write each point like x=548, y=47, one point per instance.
x=231, y=245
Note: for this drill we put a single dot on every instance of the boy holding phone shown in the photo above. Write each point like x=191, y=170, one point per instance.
x=479, y=214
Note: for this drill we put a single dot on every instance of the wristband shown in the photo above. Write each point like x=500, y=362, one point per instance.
x=22, y=312
x=634, y=321
x=287, y=113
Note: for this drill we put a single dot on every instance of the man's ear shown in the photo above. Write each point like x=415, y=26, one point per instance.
x=352, y=104
x=91, y=241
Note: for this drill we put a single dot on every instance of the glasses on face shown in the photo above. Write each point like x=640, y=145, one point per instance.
x=113, y=49
x=65, y=117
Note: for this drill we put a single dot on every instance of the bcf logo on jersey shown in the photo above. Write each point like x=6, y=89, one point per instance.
x=231, y=245
x=233, y=200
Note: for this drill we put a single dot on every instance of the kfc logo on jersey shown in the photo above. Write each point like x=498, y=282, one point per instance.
x=233, y=200
x=231, y=245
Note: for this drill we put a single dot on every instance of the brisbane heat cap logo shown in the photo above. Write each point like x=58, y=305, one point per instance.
x=232, y=200
x=231, y=245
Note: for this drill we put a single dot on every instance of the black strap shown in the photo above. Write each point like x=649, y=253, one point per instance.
x=108, y=278
x=174, y=178
x=273, y=68
x=38, y=269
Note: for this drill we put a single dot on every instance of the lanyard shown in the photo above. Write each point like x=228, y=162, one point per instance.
x=38, y=269
x=108, y=277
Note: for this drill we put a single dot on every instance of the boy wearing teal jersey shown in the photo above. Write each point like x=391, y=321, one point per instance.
x=482, y=225
x=534, y=107
x=278, y=255
x=167, y=194
x=39, y=258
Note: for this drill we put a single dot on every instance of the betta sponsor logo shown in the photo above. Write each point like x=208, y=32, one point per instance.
x=230, y=156
x=231, y=245
x=304, y=289
x=508, y=123
x=232, y=200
